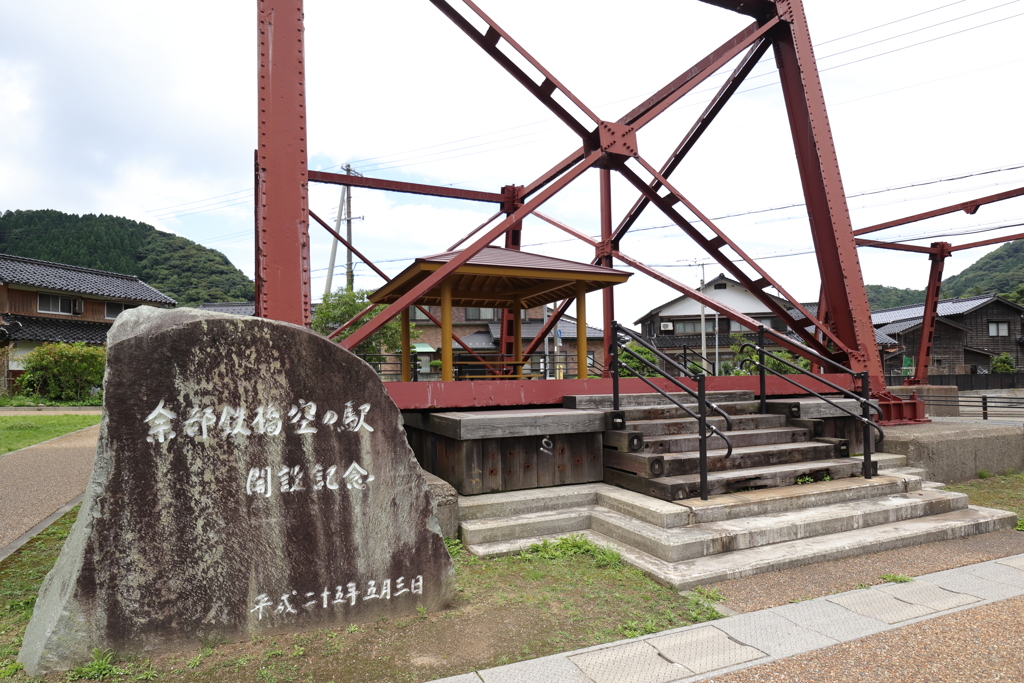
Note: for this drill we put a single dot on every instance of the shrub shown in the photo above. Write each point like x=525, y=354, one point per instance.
x=62, y=372
x=1003, y=364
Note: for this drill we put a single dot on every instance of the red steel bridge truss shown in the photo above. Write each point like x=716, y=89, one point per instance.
x=841, y=326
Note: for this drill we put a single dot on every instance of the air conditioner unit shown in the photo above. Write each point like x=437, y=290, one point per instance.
x=666, y=327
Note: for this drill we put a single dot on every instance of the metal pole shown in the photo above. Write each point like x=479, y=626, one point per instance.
x=715, y=372
x=865, y=392
x=760, y=353
x=702, y=421
x=613, y=364
x=334, y=242
x=350, y=276
x=703, y=327
x=984, y=407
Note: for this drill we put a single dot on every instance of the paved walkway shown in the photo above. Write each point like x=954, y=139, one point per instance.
x=40, y=482
x=964, y=611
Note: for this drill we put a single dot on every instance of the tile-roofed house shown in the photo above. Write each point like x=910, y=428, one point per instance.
x=43, y=302
x=946, y=308
x=45, y=275
x=969, y=332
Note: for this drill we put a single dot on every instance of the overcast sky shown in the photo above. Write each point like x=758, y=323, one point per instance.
x=147, y=110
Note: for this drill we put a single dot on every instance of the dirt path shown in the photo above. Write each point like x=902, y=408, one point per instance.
x=37, y=481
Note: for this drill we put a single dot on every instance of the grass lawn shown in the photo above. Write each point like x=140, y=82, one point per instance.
x=558, y=597
x=1004, y=492
x=19, y=431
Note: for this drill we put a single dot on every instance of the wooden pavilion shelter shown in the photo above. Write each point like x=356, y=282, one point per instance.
x=499, y=278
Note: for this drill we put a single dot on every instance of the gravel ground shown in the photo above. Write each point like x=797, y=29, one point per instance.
x=36, y=481
x=975, y=645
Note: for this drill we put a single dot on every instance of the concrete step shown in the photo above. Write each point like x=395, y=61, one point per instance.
x=679, y=464
x=687, y=543
x=688, y=574
x=604, y=401
x=667, y=410
x=688, y=486
x=681, y=443
x=688, y=425
x=681, y=513
x=733, y=565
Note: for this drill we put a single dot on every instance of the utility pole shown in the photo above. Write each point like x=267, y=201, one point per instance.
x=350, y=275
x=334, y=242
x=345, y=204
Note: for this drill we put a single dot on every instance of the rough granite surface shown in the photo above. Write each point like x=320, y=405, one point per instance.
x=251, y=477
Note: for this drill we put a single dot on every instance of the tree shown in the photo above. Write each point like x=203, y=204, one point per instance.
x=634, y=367
x=1003, y=364
x=340, y=306
x=740, y=354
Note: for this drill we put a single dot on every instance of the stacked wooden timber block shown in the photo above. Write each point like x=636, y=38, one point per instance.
x=510, y=450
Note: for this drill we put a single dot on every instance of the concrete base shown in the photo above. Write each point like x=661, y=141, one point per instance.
x=926, y=391
x=956, y=451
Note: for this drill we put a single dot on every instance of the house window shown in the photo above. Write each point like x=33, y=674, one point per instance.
x=693, y=326
x=111, y=310
x=51, y=303
x=479, y=314
x=590, y=358
x=998, y=329
x=720, y=285
x=417, y=314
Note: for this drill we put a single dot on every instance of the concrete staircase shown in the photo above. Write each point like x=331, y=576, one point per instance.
x=688, y=543
x=758, y=518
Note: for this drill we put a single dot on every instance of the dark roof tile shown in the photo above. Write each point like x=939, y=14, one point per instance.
x=64, y=278
x=26, y=328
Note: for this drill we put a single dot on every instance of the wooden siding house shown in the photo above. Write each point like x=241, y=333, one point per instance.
x=43, y=302
x=969, y=333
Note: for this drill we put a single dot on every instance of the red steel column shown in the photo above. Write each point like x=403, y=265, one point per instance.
x=282, y=213
x=606, y=260
x=831, y=229
x=931, y=305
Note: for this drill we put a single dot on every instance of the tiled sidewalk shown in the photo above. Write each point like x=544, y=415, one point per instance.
x=698, y=652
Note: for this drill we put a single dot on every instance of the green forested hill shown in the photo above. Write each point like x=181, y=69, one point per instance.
x=1001, y=271
x=881, y=297
x=180, y=268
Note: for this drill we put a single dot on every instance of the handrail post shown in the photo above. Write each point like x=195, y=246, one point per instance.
x=865, y=391
x=613, y=350
x=760, y=353
x=702, y=419
x=984, y=407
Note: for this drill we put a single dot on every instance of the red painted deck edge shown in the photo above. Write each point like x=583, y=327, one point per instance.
x=502, y=393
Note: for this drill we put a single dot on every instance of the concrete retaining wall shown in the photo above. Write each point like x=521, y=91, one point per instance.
x=956, y=451
x=948, y=394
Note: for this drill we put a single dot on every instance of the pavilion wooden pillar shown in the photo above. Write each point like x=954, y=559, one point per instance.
x=581, y=329
x=406, y=347
x=517, y=337
x=447, y=374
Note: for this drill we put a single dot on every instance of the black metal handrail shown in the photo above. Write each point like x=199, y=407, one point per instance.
x=688, y=351
x=700, y=395
x=686, y=371
x=864, y=398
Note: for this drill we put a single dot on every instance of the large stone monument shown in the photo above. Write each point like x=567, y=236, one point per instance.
x=251, y=477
